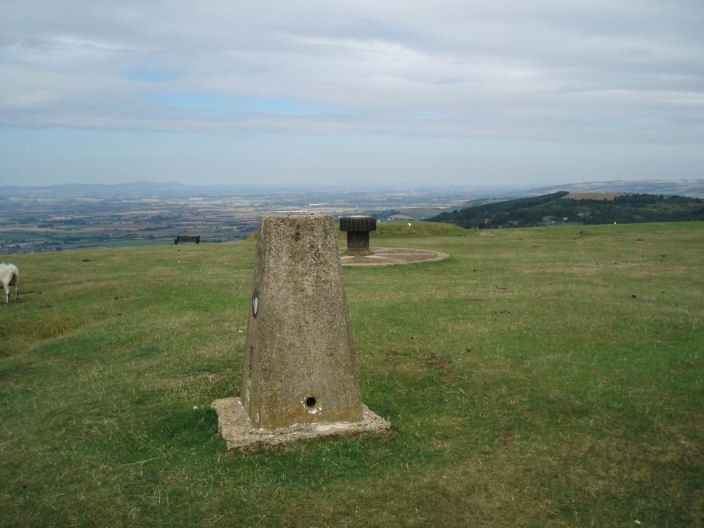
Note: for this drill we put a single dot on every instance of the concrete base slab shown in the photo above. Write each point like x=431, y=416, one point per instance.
x=237, y=431
x=392, y=257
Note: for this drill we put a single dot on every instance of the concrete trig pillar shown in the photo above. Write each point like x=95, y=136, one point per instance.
x=300, y=366
x=299, y=374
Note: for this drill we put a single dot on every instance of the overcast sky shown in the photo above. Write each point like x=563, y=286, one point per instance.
x=437, y=92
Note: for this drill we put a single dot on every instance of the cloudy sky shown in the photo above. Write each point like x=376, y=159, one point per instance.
x=441, y=92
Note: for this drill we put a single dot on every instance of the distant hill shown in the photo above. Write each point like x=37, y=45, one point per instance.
x=689, y=188
x=562, y=208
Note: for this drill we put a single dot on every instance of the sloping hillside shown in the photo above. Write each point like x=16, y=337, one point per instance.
x=689, y=188
x=537, y=377
x=555, y=208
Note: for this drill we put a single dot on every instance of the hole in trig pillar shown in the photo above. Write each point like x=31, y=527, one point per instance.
x=310, y=402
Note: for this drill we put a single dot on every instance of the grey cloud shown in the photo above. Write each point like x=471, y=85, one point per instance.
x=596, y=71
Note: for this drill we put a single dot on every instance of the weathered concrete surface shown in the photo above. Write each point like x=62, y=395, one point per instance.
x=299, y=365
x=392, y=257
x=238, y=432
x=299, y=377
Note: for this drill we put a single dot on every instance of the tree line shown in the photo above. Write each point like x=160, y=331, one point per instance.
x=555, y=208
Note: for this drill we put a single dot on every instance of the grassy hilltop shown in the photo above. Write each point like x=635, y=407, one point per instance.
x=581, y=208
x=538, y=377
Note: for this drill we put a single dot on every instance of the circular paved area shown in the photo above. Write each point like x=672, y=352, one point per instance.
x=393, y=257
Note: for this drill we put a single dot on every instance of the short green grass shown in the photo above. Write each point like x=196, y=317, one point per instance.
x=538, y=377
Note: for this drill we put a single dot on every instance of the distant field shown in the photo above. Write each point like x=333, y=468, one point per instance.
x=538, y=377
x=414, y=229
x=70, y=217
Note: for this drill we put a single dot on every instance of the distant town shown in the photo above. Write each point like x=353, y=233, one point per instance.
x=62, y=217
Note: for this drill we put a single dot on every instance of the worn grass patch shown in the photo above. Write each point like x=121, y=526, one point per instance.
x=537, y=377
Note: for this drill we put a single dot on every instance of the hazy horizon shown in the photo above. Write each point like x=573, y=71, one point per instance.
x=441, y=93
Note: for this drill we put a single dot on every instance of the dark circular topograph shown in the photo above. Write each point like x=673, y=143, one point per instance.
x=361, y=224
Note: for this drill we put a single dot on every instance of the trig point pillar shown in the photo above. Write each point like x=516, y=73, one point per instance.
x=300, y=366
x=299, y=375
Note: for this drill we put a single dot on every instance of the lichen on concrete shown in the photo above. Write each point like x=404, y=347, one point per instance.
x=239, y=434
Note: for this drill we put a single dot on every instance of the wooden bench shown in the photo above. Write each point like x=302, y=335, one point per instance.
x=195, y=239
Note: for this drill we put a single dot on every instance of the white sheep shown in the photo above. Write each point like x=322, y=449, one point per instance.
x=10, y=276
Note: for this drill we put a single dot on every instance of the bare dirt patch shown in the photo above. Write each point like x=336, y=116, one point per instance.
x=393, y=257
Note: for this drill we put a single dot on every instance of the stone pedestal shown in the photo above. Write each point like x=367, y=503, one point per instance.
x=299, y=375
x=358, y=229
